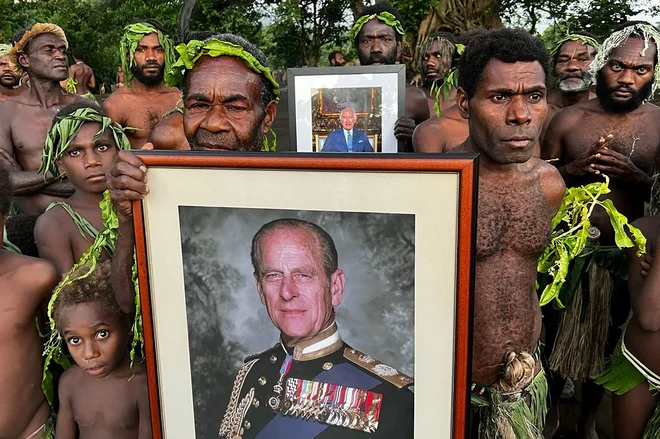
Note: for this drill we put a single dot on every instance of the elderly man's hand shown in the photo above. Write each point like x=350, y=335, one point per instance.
x=127, y=182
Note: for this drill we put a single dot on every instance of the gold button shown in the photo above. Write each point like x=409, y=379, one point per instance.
x=327, y=366
x=262, y=381
x=273, y=358
x=255, y=403
x=247, y=424
x=352, y=351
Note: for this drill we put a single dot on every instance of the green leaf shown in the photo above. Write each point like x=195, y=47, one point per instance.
x=618, y=221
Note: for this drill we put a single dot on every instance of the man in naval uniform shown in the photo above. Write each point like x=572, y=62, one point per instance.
x=311, y=384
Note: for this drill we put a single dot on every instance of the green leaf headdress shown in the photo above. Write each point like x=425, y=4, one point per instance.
x=385, y=17
x=646, y=32
x=191, y=52
x=67, y=128
x=133, y=33
x=573, y=37
x=4, y=49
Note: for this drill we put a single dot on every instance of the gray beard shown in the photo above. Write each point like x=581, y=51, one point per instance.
x=575, y=87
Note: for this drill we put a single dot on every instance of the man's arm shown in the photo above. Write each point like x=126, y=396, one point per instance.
x=53, y=244
x=61, y=189
x=66, y=427
x=646, y=300
x=127, y=181
x=92, y=80
x=417, y=111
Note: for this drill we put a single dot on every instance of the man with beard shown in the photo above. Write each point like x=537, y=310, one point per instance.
x=24, y=124
x=9, y=80
x=82, y=74
x=377, y=34
x=230, y=101
x=572, y=56
x=336, y=59
x=503, y=78
x=449, y=129
x=440, y=54
x=147, y=55
x=617, y=135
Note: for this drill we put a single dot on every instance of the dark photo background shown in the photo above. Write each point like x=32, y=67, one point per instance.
x=227, y=322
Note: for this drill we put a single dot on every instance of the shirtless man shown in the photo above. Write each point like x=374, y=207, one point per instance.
x=439, y=57
x=82, y=73
x=380, y=43
x=24, y=124
x=442, y=133
x=146, y=99
x=502, y=93
x=25, y=287
x=572, y=57
x=629, y=138
x=9, y=80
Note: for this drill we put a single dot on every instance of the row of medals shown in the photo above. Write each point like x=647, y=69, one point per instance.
x=350, y=417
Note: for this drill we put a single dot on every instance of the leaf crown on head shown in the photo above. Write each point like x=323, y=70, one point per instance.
x=191, y=52
x=133, y=33
x=64, y=130
x=385, y=17
x=643, y=30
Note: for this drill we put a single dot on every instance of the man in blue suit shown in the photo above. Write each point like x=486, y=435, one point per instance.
x=347, y=139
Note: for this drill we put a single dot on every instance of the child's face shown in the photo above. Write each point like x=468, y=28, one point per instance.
x=97, y=339
x=86, y=160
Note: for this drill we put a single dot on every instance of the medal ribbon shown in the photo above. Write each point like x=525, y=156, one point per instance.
x=286, y=365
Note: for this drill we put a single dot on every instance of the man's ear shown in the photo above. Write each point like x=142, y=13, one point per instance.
x=271, y=112
x=23, y=60
x=398, y=49
x=463, y=103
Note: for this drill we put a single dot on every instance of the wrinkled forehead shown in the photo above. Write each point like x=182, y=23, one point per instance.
x=223, y=75
x=377, y=28
x=573, y=48
x=4, y=59
x=150, y=40
x=46, y=39
x=635, y=50
x=516, y=77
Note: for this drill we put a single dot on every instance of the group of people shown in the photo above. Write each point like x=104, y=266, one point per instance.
x=67, y=180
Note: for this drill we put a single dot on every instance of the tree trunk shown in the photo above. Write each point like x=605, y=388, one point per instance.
x=454, y=16
x=356, y=7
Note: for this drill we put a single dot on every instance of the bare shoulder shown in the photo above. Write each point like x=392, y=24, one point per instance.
x=139, y=380
x=169, y=132
x=414, y=93
x=32, y=274
x=650, y=226
x=426, y=136
x=70, y=378
x=551, y=181
x=50, y=222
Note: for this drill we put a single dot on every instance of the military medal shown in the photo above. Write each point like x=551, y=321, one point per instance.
x=275, y=400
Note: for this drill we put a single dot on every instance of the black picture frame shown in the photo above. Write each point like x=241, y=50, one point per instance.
x=382, y=139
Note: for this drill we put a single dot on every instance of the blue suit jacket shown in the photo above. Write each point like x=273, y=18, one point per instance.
x=336, y=142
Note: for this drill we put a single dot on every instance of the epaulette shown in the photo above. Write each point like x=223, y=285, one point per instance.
x=388, y=373
x=260, y=353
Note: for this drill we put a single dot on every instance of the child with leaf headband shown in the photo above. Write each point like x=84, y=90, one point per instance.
x=96, y=332
x=26, y=285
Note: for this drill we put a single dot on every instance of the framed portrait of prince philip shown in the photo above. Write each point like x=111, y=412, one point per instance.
x=345, y=109
x=278, y=305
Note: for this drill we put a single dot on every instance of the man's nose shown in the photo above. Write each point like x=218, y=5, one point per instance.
x=376, y=46
x=216, y=121
x=289, y=289
x=518, y=113
x=90, y=352
x=92, y=160
x=626, y=77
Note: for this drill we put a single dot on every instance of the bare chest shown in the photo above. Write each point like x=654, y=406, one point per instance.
x=105, y=405
x=512, y=218
x=635, y=137
x=29, y=129
x=145, y=112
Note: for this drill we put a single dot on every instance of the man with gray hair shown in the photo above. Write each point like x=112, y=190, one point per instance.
x=311, y=384
x=347, y=138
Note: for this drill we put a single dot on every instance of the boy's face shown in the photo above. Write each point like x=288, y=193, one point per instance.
x=86, y=160
x=97, y=338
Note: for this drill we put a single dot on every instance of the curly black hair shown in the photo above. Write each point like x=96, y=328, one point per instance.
x=5, y=192
x=377, y=8
x=94, y=288
x=467, y=37
x=267, y=88
x=507, y=45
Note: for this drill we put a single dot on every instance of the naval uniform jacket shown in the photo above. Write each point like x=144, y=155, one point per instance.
x=323, y=359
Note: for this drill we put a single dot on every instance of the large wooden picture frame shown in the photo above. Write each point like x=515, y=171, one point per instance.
x=204, y=203
x=317, y=95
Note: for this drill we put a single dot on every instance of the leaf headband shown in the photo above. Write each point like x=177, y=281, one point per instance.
x=574, y=37
x=190, y=53
x=133, y=33
x=67, y=128
x=385, y=17
x=646, y=32
x=4, y=49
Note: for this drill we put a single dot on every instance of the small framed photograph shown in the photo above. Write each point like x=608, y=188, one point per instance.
x=345, y=109
x=276, y=305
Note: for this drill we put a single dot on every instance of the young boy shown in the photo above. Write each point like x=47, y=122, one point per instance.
x=101, y=397
x=25, y=286
x=77, y=146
